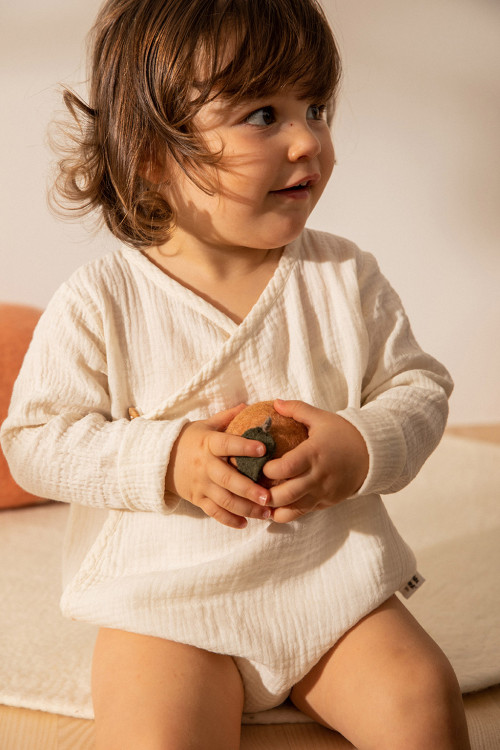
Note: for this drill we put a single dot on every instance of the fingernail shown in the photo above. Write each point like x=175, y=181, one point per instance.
x=260, y=450
x=266, y=513
x=263, y=499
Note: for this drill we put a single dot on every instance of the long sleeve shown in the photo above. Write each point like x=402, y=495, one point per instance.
x=60, y=439
x=404, y=398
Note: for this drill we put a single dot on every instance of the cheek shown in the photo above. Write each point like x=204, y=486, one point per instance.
x=183, y=194
x=328, y=157
x=244, y=166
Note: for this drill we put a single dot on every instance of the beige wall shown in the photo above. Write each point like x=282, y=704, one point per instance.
x=417, y=180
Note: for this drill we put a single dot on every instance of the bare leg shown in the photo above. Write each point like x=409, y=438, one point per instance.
x=155, y=694
x=386, y=685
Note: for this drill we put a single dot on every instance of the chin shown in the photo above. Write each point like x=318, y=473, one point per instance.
x=284, y=235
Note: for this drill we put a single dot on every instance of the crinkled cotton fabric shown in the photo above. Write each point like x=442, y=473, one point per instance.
x=329, y=330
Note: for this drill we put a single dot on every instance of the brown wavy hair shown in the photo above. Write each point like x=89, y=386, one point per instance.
x=144, y=67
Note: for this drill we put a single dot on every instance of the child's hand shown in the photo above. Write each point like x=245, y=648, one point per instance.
x=199, y=472
x=328, y=467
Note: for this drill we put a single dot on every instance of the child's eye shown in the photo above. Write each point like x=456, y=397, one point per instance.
x=261, y=117
x=317, y=112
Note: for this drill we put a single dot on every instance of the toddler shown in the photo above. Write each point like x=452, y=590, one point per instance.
x=205, y=146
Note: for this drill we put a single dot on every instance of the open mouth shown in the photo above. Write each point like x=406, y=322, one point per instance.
x=294, y=188
x=301, y=186
x=298, y=188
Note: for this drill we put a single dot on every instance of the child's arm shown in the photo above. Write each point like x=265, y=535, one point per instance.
x=398, y=421
x=60, y=438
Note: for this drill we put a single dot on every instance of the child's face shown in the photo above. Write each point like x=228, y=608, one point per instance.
x=270, y=146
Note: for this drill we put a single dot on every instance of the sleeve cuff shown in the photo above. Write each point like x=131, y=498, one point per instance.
x=385, y=443
x=142, y=464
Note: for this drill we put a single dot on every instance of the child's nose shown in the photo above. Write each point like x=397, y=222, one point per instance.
x=304, y=144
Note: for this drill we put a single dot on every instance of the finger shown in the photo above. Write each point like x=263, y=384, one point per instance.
x=222, y=515
x=228, y=478
x=298, y=410
x=290, y=492
x=237, y=506
x=225, y=444
x=291, y=513
x=221, y=420
x=291, y=464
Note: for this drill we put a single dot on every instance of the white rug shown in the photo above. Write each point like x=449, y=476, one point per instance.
x=450, y=515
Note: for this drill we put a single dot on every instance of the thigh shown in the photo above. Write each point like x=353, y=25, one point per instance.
x=386, y=684
x=155, y=694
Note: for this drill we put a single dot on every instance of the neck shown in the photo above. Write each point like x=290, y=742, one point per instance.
x=217, y=263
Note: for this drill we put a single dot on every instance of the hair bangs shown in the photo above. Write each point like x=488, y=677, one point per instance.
x=256, y=49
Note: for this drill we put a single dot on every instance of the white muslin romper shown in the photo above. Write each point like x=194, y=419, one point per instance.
x=329, y=330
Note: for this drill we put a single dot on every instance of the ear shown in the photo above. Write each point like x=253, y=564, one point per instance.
x=152, y=167
x=151, y=173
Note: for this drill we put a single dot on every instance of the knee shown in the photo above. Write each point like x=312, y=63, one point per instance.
x=428, y=688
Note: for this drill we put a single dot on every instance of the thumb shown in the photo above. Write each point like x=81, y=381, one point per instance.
x=221, y=420
x=298, y=410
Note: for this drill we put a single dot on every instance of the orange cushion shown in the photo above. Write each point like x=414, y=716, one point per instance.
x=16, y=329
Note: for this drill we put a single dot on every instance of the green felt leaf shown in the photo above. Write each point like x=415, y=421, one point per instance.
x=252, y=466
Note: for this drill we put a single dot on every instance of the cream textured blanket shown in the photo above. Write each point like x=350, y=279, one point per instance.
x=450, y=515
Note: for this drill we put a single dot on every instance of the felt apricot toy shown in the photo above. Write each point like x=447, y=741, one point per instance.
x=279, y=434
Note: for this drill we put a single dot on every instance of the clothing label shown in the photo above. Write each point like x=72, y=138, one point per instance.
x=413, y=584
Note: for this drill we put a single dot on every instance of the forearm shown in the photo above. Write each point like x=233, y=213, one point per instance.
x=401, y=428
x=92, y=461
x=403, y=404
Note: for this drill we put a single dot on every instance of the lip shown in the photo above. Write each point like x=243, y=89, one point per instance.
x=294, y=191
x=310, y=179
